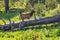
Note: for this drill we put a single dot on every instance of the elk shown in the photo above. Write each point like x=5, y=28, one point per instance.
x=26, y=15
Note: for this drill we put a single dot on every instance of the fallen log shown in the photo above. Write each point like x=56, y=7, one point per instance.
x=45, y=20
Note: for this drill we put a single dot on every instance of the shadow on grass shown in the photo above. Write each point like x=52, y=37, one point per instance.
x=58, y=1
x=12, y=13
x=54, y=26
x=38, y=27
x=41, y=27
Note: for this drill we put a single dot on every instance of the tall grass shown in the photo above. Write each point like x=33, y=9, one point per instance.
x=38, y=32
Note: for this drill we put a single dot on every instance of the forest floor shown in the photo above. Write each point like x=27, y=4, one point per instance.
x=38, y=32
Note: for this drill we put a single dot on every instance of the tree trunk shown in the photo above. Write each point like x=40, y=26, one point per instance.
x=6, y=5
x=46, y=20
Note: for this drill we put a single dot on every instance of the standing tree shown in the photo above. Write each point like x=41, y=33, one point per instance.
x=6, y=5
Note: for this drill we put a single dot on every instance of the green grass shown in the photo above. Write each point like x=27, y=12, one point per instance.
x=43, y=32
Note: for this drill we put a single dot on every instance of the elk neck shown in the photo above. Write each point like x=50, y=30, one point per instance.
x=31, y=13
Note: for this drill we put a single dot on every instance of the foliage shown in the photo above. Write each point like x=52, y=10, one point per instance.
x=38, y=32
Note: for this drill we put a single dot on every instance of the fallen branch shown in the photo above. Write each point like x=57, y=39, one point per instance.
x=46, y=20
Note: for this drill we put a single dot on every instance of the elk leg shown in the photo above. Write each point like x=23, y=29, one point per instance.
x=22, y=18
x=34, y=16
x=29, y=17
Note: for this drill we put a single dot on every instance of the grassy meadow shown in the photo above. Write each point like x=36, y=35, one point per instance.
x=37, y=32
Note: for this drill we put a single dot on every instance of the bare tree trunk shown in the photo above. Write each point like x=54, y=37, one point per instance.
x=6, y=5
x=46, y=20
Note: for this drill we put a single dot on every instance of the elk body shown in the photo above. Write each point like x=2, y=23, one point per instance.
x=26, y=15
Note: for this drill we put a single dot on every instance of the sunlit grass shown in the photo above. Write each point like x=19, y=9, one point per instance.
x=54, y=11
x=29, y=34
x=1, y=22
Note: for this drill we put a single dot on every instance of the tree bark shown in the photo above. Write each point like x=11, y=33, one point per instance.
x=6, y=5
x=46, y=20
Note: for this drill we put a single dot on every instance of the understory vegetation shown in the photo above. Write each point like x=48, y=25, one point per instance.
x=37, y=32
